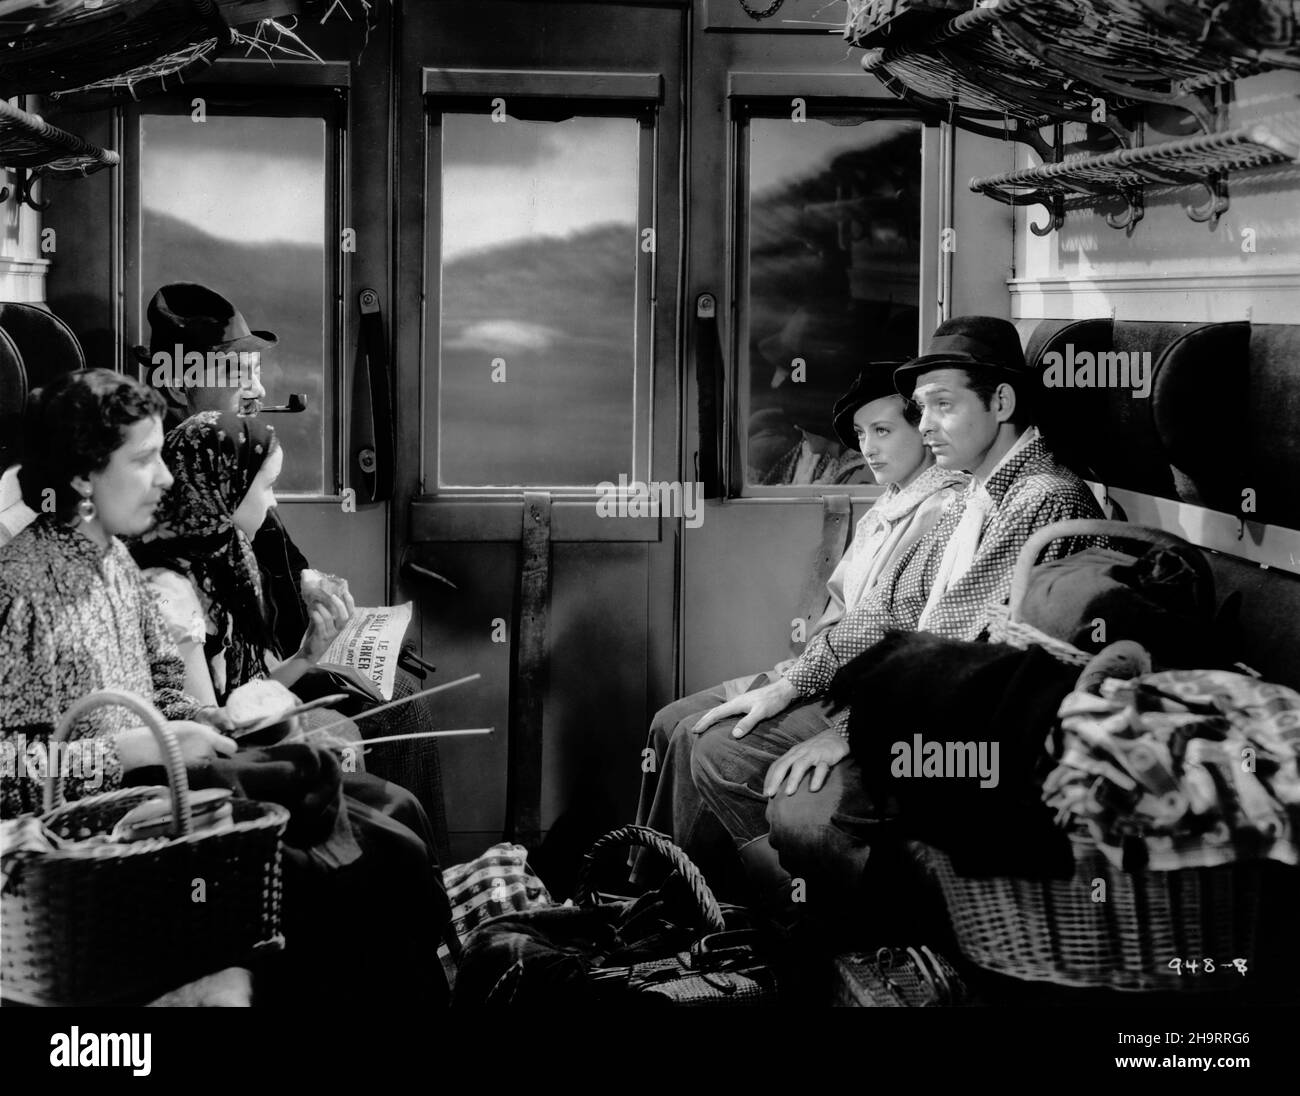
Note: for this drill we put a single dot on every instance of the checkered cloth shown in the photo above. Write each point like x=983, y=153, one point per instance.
x=498, y=882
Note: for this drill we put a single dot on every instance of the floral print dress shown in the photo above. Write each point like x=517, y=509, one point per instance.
x=76, y=617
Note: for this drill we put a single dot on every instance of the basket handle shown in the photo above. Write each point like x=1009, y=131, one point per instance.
x=1085, y=527
x=645, y=837
x=178, y=782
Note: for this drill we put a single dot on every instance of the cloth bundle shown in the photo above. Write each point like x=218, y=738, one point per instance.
x=1182, y=769
x=498, y=882
x=1151, y=599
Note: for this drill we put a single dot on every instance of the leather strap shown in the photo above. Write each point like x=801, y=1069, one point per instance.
x=529, y=658
x=837, y=512
x=710, y=380
x=372, y=447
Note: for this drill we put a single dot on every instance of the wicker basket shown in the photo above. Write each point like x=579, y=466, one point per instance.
x=1059, y=931
x=1005, y=624
x=1070, y=932
x=97, y=923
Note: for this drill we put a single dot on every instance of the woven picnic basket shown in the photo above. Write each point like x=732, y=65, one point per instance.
x=94, y=922
x=1103, y=928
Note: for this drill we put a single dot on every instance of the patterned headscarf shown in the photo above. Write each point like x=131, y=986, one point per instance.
x=214, y=457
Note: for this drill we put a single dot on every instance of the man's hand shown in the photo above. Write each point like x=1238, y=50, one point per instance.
x=819, y=754
x=755, y=706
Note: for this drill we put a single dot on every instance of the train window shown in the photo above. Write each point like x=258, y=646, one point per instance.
x=544, y=255
x=830, y=224
x=241, y=200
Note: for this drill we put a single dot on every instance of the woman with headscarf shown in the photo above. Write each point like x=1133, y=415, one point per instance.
x=199, y=561
x=199, y=557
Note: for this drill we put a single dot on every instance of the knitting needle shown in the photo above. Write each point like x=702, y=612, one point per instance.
x=423, y=734
x=395, y=703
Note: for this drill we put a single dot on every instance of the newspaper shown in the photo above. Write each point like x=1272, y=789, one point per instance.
x=371, y=643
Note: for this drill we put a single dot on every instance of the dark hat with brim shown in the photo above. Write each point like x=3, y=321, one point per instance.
x=197, y=318
x=984, y=343
x=874, y=382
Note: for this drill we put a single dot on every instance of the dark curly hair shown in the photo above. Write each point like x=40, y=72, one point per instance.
x=72, y=426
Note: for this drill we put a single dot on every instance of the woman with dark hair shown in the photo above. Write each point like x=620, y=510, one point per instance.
x=75, y=615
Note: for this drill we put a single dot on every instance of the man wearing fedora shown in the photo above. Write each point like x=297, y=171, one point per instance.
x=186, y=318
x=191, y=325
x=879, y=427
x=975, y=394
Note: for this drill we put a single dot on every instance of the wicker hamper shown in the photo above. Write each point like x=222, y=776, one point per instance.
x=1104, y=928
x=94, y=922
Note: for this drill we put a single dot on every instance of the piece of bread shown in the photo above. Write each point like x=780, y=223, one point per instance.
x=318, y=586
x=259, y=700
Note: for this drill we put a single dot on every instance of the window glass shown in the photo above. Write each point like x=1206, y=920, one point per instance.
x=537, y=322
x=238, y=203
x=833, y=222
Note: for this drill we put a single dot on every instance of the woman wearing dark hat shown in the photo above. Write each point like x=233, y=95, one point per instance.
x=873, y=419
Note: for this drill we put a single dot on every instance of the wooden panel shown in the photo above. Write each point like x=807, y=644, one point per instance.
x=458, y=638
x=256, y=70
x=596, y=702
x=743, y=571
x=82, y=282
x=646, y=86
x=498, y=519
x=348, y=544
x=790, y=17
x=597, y=712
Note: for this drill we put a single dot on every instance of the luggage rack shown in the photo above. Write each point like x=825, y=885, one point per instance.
x=1204, y=160
x=1009, y=68
x=31, y=145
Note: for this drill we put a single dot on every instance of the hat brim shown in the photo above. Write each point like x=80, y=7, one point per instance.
x=906, y=375
x=254, y=340
x=856, y=398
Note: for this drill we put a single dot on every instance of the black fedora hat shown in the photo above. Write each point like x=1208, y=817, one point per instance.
x=875, y=381
x=198, y=318
x=976, y=342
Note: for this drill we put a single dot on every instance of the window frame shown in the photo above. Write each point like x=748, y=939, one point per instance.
x=540, y=95
x=753, y=95
x=259, y=89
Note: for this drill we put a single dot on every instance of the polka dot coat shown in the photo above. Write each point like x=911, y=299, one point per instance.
x=1029, y=491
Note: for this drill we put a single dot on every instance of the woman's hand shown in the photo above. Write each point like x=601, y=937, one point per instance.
x=754, y=707
x=215, y=717
x=328, y=616
x=137, y=748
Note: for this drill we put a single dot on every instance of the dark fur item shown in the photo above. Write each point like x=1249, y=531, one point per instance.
x=952, y=691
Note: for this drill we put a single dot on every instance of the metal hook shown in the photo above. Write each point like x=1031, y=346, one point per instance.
x=24, y=191
x=1055, y=206
x=1134, y=211
x=1216, y=186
